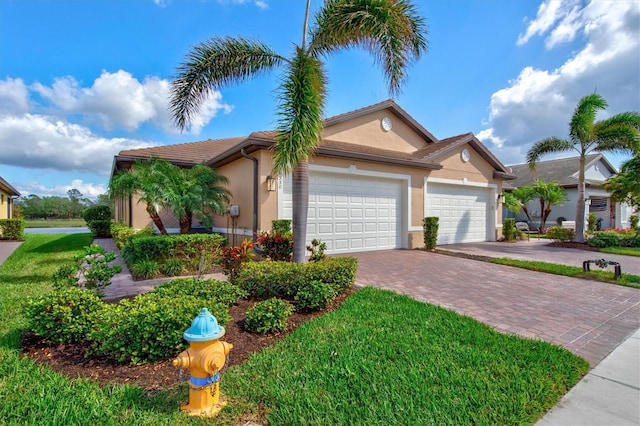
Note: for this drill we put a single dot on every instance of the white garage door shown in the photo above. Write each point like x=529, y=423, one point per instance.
x=351, y=213
x=463, y=212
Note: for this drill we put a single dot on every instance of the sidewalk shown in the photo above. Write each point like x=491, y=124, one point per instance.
x=608, y=395
x=7, y=248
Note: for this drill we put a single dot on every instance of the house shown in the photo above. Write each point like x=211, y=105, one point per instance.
x=565, y=172
x=7, y=195
x=374, y=177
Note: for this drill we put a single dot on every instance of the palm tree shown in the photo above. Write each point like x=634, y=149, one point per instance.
x=624, y=186
x=195, y=191
x=144, y=181
x=550, y=194
x=522, y=195
x=390, y=30
x=617, y=133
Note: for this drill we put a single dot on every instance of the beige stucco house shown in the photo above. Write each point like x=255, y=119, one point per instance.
x=7, y=195
x=376, y=174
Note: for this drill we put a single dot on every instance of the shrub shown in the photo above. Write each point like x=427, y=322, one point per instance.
x=148, y=248
x=592, y=223
x=66, y=315
x=213, y=290
x=317, y=249
x=509, y=230
x=276, y=247
x=145, y=269
x=268, y=316
x=65, y=276
x=98, y=220
x=172, y=267
x=430, y=226
x=339, y=272
x=560, y=234
x=281, y=227
x=634, y=221
x=149, y=327
x=12, y=229
x=95, y=269
x=313, y=295
x=122, y=233
x=234, y=257
x=605, y=239
x=630, y=241
x=267, y=279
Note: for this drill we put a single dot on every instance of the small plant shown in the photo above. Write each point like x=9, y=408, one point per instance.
x=65, y=276
x=172, y=267
x=94, y=270
x=430, y=225
x=317, y=249
x=592, y=223
x=559, y=233
x=268, y=316
x=213, y=290
x=66, y=315
x=313, y=295
x=145, y=269
x=509, y=229
x=276, y=247
x=281, y=227
x=234, y=257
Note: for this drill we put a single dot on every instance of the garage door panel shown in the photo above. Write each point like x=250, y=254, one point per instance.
x=351, y=213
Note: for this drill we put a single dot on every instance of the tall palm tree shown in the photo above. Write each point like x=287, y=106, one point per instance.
x=144, y=181
x=390, y=30
x=617, y=133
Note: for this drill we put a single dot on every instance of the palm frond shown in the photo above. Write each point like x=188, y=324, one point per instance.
x=302, y=97
x=547, y=146
x=391, y=30
x=213, y=64
x=621, y=139
x=581, y=125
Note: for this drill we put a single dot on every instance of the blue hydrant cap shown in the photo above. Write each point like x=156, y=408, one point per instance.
x=203, y=328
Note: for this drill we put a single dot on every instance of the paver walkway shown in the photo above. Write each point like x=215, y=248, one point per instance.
x=587, y=317
x=7, y=248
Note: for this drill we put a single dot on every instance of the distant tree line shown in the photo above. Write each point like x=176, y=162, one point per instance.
x=53, y=207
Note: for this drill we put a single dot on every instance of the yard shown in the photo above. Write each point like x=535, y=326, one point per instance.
x=378, y=358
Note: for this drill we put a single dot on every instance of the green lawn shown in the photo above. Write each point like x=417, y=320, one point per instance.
x=379, y=359
x=604, y=275
x=55, y=223
x=628, y=251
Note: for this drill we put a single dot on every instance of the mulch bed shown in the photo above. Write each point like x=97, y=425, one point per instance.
x=70, y=359
x=573, y=245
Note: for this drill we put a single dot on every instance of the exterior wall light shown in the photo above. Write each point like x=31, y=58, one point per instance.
x=272, y=184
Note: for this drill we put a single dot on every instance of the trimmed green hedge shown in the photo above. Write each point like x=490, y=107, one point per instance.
x=430, y=226
x=12, y=229
x=191, y=250
x=98, y=220
x=604, y=239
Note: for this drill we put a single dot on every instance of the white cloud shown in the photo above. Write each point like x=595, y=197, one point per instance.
x=548, y=13
x=14, y=95
x=45, y=142
x=120, y=101
x=539, y=103
x=87, y=189
x=262, y=4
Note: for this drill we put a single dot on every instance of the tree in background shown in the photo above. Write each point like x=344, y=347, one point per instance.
x=388, y=29
x=616, y=133
x=36, y=207
x=624, y=186
x=550, y=194
x=517, y=200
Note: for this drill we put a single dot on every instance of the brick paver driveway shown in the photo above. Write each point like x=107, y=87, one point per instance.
x=589, y=318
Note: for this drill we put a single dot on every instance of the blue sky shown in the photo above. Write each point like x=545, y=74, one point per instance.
x=82, y=80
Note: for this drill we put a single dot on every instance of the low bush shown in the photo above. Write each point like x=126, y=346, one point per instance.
x=145, y=269
x=605, y=239
x=219, y=291
x=149, y=327
x=313, y=295
x=172, y=267
x=234, y=257
x=92, y=270
x=12, y=229
x=268, y=279
x=430, y=227
x=339, y=272
x=509, y=230
x=122, y=233
x=275, y=246
x=98, y=219
x=559, y=233
x=268, y=316
x=281, y=226
x=66, y=315
x=592, y=223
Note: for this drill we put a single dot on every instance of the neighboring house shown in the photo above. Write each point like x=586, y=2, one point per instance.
x=565, y=172
x=376, y=174
x=7, y=195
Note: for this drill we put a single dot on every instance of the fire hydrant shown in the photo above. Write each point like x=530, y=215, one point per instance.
x=205, y=358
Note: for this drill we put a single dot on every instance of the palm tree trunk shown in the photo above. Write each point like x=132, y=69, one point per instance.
x=300, y=194
x=185, y=222
x=579, y=237
x=155, y=217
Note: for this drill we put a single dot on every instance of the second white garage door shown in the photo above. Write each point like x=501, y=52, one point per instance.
x=351, y=213
x=463, y=212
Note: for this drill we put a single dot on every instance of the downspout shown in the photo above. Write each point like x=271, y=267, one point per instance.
x=255, y=191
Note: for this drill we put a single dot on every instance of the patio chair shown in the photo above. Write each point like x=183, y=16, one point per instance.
x=524, y=227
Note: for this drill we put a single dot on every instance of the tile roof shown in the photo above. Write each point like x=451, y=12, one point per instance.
x=6, y=187
x=563, y=170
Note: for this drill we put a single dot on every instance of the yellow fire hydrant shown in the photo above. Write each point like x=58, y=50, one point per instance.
x=205, y=358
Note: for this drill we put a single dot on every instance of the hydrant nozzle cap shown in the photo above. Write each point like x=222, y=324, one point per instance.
x=204, y=328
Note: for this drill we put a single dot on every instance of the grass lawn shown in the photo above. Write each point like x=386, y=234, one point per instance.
x=628, y=251
x=379, y=359
x=55, y=223
x=627, y=280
